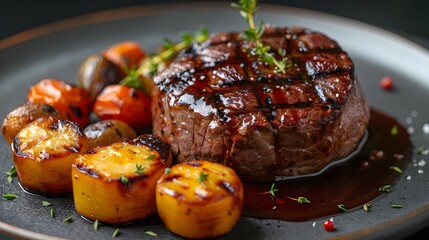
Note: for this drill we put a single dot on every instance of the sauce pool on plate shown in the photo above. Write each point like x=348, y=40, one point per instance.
x=350, y=183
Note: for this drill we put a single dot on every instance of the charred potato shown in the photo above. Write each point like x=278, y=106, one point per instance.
x=106, y=132
x=43, y=153
x=95, y=73
x=199, y=199
x=159, y=145
x=23, y=115
x=116, y=183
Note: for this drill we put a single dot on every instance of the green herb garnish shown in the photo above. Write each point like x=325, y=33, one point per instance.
x=68, y=219
x=95, y=225
x=396, y=206
x=132, y=79
x=385, y=188
x=52, y=213
x=124, y=179
x=150, y=64
x=273, y=190
x=303, y=200
x=421, y=150
x=11, y=174
x=366, y=207
x=46, y=203
x=254, y=33
x=167, y=170
x=394, y=130
x=342, y=207
x=396, y=169
x=203, y=176
x=150, y=233
x=9, y=196
x=115, y=233
x=139, y=169
x=150, y=157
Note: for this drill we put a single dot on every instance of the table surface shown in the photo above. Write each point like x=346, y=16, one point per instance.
x=404, y=17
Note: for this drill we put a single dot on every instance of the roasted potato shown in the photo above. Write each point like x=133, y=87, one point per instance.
x=95, y=73
x=159, y=145
x=199, y=199
x=23, y=115
x=116, y=183
x=73, y=103
x=106, y=132
x=43, y=153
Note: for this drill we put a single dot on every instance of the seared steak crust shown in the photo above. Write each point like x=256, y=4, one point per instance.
x=217, y=101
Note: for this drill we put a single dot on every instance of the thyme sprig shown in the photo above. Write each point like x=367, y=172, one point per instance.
x=203, y=177
x=151, y=63
x=385, y=188
x=150, y=233
x=95, y=225
x=300, y=199
x=11, y=174
x=9, y=196
x=139, y=169
x=366, y=207
x=273, y=190
x=254, y=33
x=342, y=207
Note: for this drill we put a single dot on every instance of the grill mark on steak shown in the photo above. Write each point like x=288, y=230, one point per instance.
x=224, y=92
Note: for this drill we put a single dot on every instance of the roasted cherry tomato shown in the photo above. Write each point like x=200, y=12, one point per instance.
x=95, y=73
x=126, y=104
x=71, y=102
x=126, y=55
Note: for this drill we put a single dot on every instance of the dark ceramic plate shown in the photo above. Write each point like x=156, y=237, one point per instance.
x=56, y=51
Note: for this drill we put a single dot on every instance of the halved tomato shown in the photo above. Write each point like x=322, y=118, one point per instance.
x=126, y=104
x=125, y=55
x=73, y=103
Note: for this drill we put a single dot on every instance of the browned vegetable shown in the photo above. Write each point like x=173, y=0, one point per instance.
x=95, y=73
x=23, y=115
x=199, y=199
x=106, y=132
x=158, y=144
x=116, y=183
x=43, y=153
x=71, y=102
x=126, y=104
x=126, y=55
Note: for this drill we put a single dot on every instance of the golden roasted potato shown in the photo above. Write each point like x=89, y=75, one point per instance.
x=106, y=132
x=43, y=153
x=199, y=199
x=159, y=145
x=116, y=183
x=23, y=115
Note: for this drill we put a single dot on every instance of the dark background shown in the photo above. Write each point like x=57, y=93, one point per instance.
x=404, y=17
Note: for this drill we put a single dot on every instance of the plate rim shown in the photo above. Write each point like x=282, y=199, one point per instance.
x=394, y=227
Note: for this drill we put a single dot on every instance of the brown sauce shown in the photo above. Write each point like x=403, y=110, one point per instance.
x=353, y=182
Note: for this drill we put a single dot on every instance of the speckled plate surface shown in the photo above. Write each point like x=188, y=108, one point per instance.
x=56, y=51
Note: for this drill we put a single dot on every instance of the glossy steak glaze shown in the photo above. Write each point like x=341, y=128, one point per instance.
x=217, y=101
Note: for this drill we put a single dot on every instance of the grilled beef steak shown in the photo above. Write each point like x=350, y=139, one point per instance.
x=218, y=101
